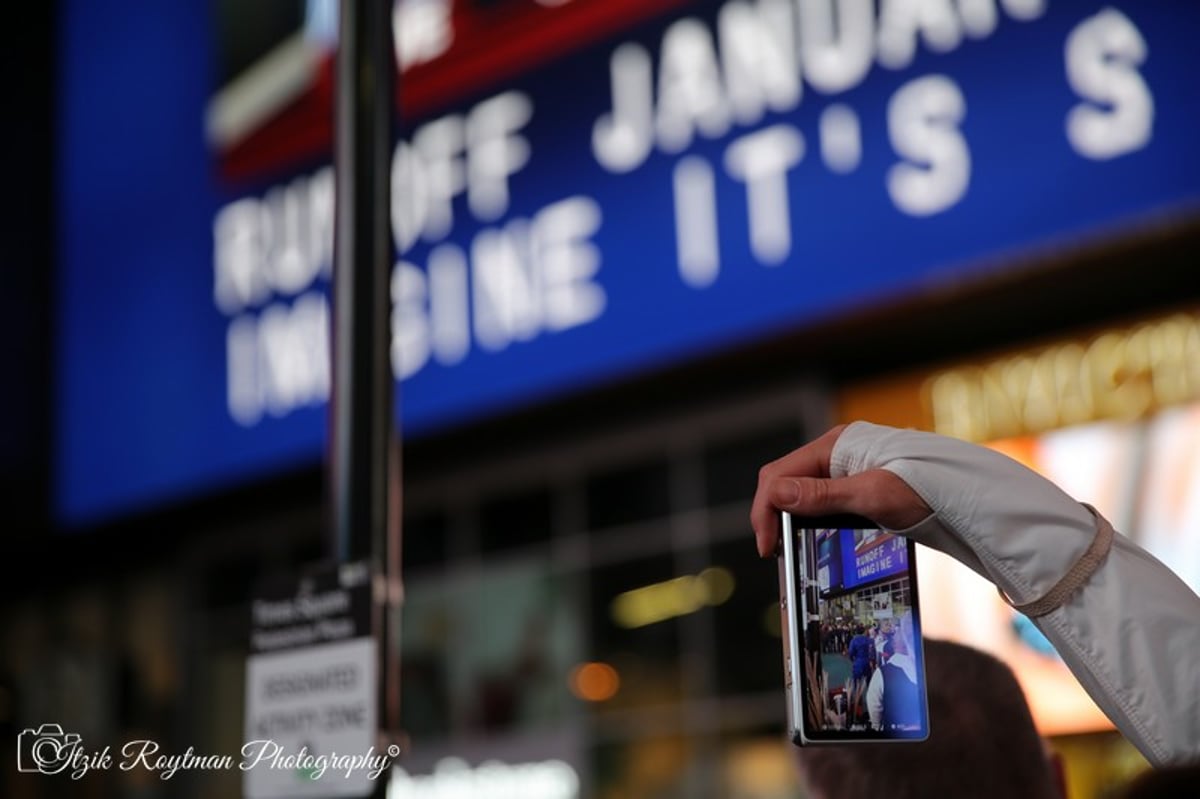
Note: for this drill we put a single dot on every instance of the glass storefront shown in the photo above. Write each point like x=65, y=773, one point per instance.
x=602, y=605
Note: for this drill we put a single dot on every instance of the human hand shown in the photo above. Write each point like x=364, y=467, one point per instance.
x=1124, y=612
x=799, y=482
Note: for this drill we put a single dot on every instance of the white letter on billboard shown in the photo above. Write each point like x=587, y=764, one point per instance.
x=837, y=54
x=239, y=256
x=505, y=290
x=494, y=151
x=758, y=52
x=410, y=325
x=690, y=94
x=410, y=197
x=241, y=360
x=290, y=267
x=923, y=118
x=439, y=145
x=421, y=30
x=568, y=261
x=448, y=309
x=841, y=138
x=622, y=139
x=1102, y=54
x=696, y=222
x=320, y=220
x=294, y=346
x=762, y=160
x=900, y=22
x=1024, y=10
x=979, y=17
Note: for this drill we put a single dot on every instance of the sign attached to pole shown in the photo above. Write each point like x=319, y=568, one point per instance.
x=311, y=689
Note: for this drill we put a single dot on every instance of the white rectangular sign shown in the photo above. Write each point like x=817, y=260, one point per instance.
x=311, y=722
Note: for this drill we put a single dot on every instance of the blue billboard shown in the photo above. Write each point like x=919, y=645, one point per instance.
x=866, y=559
x=847, y=559
x=704, y=176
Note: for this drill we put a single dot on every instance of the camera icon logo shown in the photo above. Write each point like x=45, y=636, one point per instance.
x=46, y=750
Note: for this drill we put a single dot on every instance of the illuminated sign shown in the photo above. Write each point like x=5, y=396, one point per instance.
x=538, y=764
x=874, y=558
x=550, y=779
x=670, y=183
x=847, y=559
x=1118, y=374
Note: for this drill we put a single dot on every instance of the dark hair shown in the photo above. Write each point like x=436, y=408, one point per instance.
x=1166, y=783
x=982, y=741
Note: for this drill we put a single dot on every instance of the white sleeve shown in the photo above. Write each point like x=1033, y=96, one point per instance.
x=875, y=699
x=1130, y=635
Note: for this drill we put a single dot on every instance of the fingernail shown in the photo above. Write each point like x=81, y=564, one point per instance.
x=788, y=492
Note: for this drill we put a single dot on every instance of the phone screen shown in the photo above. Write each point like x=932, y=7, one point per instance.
x=862, y=674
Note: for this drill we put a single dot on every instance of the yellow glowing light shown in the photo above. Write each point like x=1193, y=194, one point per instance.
x=1121, y=373
x=720, y=584
x=677, y=597
x=772, y=622
x=595, y=682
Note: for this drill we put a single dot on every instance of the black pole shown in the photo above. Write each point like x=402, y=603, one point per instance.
x=364, y=452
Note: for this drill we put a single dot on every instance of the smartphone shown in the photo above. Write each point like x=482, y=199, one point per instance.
x=854, y=667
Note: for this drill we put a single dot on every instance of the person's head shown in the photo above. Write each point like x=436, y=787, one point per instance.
x=982, y=742
x=858, y=629
x=903, y=642
x=1166, y=783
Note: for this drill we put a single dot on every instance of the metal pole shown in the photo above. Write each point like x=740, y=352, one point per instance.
x=364, y=450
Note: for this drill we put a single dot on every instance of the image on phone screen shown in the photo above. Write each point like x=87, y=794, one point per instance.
x=862, y=673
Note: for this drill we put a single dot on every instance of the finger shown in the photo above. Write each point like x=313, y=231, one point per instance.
x=805, y=497
x=810, y=460
x=876, y=494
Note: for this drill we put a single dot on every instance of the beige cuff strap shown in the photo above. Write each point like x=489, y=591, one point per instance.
x=1074, y=579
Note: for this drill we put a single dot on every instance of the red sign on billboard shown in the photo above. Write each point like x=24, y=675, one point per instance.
x=274, y=109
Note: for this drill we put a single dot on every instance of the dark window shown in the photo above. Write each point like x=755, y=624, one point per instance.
x=428, y=633
x=425, y=540
x=731, y=467
x=625, y=634
x=749, y=654
x=516, y=520
x=310, y=548
x=424, y=702
x=628, y=494
x=232, y=580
